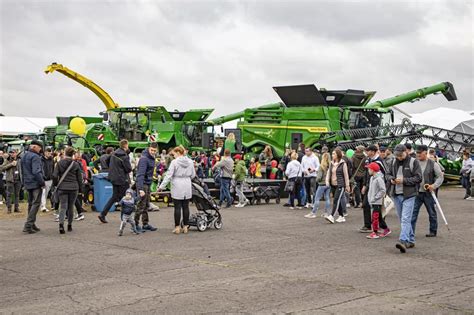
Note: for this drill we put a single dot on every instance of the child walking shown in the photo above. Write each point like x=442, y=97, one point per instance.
x=376, y=194
x=128, y=207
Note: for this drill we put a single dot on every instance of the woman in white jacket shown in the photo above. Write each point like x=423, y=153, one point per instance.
x=180, y=172
x=293, y=173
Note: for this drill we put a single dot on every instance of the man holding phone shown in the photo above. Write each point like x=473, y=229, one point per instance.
x=405, y=178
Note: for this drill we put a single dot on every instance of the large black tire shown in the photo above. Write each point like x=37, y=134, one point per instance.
x=277, y=200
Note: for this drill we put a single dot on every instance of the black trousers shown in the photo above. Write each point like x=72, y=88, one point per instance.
x=178, y=206
x=339, y=202
x=67, y=200
x=367, y=212
x=117, y=195
x=357, y=190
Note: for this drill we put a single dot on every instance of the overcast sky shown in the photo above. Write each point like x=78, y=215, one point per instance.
x=227, y=55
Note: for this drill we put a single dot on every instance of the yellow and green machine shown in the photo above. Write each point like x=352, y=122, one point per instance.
x=305, y=114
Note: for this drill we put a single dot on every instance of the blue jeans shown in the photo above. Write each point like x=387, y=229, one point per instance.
x=320, y=192
x=225, y=191
x=405, y=212
x=424, y=198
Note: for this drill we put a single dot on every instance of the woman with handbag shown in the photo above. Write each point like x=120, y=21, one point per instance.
x=294, y=183
x=67, y=179
x=338, y=178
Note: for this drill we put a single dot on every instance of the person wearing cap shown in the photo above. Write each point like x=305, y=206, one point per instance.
x=11, y=167
x=430, y=181
x=375, y=197
x=240, y=171
x=33, y=181
x=372, y=156
x=405, y=178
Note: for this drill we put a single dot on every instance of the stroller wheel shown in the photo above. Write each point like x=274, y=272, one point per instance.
x=218, y=223
x=267, y=200
x=252, y=201
x=277, y=200
x=201, y=225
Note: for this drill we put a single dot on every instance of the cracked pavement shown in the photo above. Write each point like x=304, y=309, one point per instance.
x=266, y=259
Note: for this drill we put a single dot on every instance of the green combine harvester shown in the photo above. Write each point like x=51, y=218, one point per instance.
x=306, y=114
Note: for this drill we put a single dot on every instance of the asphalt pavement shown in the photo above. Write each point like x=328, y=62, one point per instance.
x=266, y=259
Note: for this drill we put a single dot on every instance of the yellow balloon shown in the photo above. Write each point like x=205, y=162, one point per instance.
x=78, y=126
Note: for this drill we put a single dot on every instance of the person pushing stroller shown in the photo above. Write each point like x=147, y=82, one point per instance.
x=128, y=204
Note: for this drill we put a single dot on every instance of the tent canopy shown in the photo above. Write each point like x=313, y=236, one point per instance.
x=11, y=125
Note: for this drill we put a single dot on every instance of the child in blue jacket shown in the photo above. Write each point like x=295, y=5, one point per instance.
x=128, y=204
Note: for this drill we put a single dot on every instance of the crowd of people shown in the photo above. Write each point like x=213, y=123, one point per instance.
x=368, y=177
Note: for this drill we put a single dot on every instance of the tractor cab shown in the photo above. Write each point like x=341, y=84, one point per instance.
x=130, y=123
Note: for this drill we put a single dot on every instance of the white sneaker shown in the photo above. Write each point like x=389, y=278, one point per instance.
x=308, y=205
x=469, y=198
x=348, y=205
x=310, y=216
x=341, y=219
x=44, y=209
x=292, y=208
x=80, y=217
x=239, y=205
x=330, y=218
x=1, y=202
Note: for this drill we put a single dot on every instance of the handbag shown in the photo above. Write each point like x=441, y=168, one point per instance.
x=290, y=186
x=54, y=192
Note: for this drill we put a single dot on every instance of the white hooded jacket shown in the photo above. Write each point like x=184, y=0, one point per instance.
x=180, y=173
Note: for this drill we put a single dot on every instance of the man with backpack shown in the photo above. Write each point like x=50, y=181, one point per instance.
x=405, y=178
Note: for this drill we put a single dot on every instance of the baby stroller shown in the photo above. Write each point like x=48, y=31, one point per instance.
x=208, y=211
x=267, y=193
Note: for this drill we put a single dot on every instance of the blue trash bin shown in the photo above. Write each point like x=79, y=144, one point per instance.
x=103, y=191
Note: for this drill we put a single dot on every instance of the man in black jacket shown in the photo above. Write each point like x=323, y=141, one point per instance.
x=102, y=164
x=372, y=156
x=405, y=178
x=48, y=166
x=119, y=170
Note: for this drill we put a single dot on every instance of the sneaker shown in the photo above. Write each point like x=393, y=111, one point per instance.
x=185, y=229
x=410, y=245
x=149, y=227
x=299, y=208
x=402, y=247
x=469, y=198
x=35, y=228
x=102, y=219
x=177, y=230
x=292, y=208
x=310, y=216
x=240, y=205
x=120, y=233
x=431, y=234
x=1, y=202
x=330, y=218
x=341, y=219
x=139, y=229
x=386, y=233
x=373, y=235
x=308, y=205
x=365, y=229
x=348, y=205
x=80, y=217
x=56, y=219
x=286, y=205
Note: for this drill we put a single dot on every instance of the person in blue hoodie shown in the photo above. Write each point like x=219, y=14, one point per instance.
x=33, y=181
x=146, y=166
x=128, y=204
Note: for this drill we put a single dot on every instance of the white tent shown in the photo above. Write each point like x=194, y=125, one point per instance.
x=442, y=117
x=465, y=127
x=11, y=125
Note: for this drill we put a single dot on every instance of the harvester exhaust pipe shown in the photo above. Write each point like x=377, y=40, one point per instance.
x=450, y=93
